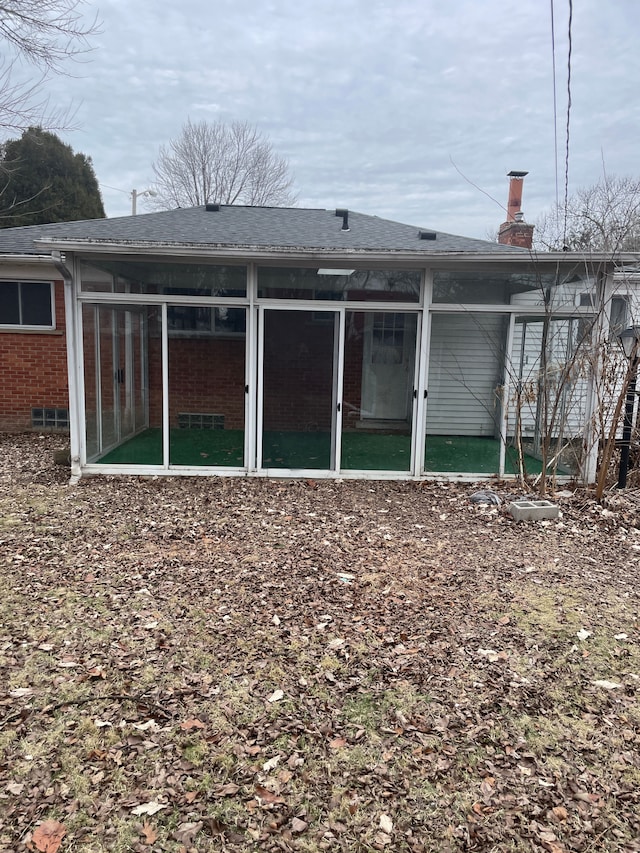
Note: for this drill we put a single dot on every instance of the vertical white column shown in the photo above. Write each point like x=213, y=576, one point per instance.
x=338, y=385
x=251, y=372
x=422, y=372
x=72, y=330
x=165, y=386
x=506, y=395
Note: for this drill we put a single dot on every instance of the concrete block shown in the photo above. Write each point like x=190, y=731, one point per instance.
x=525, y=510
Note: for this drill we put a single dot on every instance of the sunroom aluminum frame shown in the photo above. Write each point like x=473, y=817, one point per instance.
x=602, y=267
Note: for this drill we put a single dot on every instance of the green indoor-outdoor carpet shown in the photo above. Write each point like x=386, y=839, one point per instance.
x=312, y=450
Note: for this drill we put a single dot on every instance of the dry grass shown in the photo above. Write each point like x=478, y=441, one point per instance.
x=436, y=694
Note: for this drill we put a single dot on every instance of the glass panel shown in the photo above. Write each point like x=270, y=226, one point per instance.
x=94, y=280
x=36, y=304
x=9, y=303
x=91, y=380
x=464, y=403
x=489, y=288
x=107, y=366
x=299, y=389
x=206, y=391
x=548, y=396
x=377, y=406
x=206, y=320
x=164, y=277
x=123, y=384
x=339, y=284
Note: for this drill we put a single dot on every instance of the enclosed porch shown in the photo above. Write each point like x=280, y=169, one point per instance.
x=196, y=368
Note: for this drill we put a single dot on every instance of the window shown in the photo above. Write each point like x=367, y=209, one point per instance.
x=50, y=418
x=619, y=315
x=26, y=303
x=202, y=320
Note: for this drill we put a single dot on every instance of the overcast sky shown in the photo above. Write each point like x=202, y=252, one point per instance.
x=388, y=107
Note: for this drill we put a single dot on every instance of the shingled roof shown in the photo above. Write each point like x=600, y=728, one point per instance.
x=251, y=228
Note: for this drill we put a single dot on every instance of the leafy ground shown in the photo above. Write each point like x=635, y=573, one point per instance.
x=228, y=664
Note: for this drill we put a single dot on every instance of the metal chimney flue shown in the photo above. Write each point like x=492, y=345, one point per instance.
x=344, y=213
x=514, y=205
x=514, y=231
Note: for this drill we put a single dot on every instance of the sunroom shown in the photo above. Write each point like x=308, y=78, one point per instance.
x=442, y=358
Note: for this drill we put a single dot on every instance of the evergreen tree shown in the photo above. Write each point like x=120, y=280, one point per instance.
x=42, y=180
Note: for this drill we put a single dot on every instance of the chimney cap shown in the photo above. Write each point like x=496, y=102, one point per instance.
x=514, y=173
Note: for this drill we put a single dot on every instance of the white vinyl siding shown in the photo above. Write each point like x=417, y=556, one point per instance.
x=465, y=374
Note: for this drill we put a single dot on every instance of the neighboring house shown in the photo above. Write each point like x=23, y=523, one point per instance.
x=273, y=341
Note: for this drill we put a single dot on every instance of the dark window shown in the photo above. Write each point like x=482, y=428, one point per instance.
x=619, y=317
x=25, y=303
x=203, y=320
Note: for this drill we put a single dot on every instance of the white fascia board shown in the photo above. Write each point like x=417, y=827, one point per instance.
x=22, y=267
x=289, y=254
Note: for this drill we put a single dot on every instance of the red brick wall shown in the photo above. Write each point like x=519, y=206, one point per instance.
x=33, y=371
x=207, y=375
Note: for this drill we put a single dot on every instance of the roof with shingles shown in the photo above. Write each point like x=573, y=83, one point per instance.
x=293, y=228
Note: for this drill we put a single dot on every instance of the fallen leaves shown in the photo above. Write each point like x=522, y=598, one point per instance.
x=150, y=808
x=276, y=696
x=188, y=725
x=267, y=797
x=149, y=833
x=229, y=789
x=244, y=649
x=47, y=837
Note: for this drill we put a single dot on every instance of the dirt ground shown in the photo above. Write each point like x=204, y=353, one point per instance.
x=195, y=664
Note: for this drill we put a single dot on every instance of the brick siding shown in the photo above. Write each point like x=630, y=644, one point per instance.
x=33, y=371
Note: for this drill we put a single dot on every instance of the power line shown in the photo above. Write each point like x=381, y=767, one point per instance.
x=555, y=108
x=566, y=158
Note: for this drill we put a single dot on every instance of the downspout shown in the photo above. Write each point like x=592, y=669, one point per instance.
x=72, y=365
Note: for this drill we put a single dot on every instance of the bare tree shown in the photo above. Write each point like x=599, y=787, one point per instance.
x=226, y=163
x=46, y=34
x=604, y=217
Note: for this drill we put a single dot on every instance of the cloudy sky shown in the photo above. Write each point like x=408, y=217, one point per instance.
x=413, y=110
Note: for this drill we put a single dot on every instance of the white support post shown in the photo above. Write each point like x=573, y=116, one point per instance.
x=506, y=394
x=419, y=427
x=338, y=385
x=71, y=330
x=251, y=372
x=165, y=386
x=260, y=388
x=604, y=286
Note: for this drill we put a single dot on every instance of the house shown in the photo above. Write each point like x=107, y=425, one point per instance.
x=295, y=342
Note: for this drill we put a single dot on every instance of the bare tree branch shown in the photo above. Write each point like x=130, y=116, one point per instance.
x=215, y=162
x=603, y=217
x=48, y=34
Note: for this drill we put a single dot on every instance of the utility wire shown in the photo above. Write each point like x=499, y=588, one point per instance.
x=555, y=110
x=566, y=158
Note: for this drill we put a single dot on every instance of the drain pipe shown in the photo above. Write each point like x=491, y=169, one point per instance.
x=59, y=262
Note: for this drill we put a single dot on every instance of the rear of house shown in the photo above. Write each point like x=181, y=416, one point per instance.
x=291, y=342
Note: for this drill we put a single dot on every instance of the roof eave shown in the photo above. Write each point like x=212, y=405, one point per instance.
x=291, y=253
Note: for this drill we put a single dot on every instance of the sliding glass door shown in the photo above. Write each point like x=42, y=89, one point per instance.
x=299, y=389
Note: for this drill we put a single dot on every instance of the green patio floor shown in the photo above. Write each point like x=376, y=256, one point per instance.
x=300, y=450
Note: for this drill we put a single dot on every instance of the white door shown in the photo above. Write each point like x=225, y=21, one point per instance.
x=387, y=365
